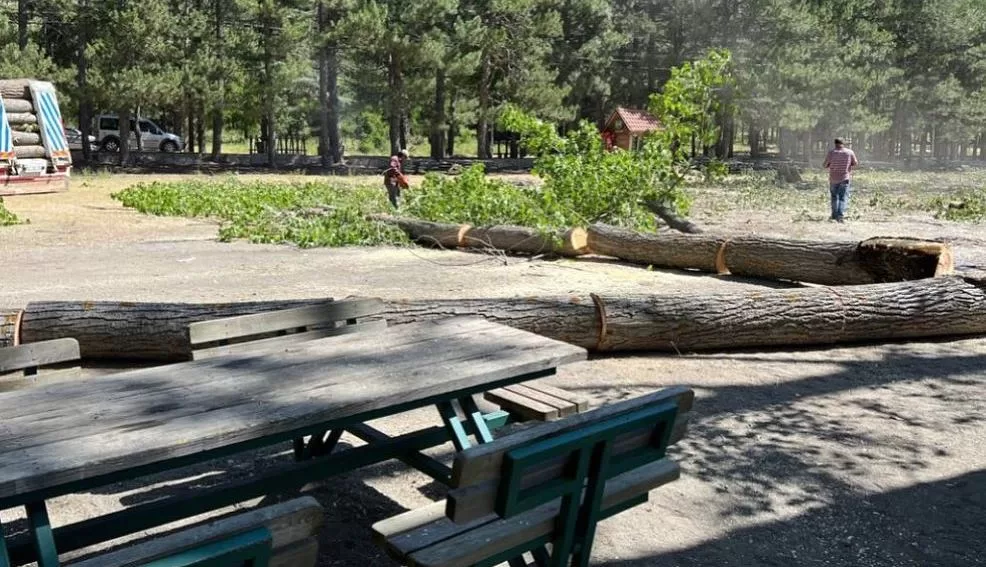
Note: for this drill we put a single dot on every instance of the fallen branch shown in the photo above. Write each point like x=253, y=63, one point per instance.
x=876, y=260
x=672, y=219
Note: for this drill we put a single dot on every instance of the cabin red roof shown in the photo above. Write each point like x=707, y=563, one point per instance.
x=635, y=121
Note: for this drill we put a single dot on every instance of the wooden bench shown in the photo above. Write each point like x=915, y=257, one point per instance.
x=19, y=365
x=548, y=484
x=537, y=401
x=260, y=332
x=281, y=535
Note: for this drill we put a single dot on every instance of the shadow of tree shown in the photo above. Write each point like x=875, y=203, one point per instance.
x=939, y=523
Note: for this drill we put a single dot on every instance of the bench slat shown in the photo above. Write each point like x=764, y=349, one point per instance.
x=258, y=323
x=470, y=546
x=581, y=402
x=478, y=500
x=289, y=523
x=32, y=355
x=267, y=345
x=519, y=404
x=484, y=462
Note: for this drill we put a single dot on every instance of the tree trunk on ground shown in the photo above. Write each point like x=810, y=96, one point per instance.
x=138, y=331
x=9, y=319
x=15, y=88
x=675, y=322
x=515, y=239
x=828, y=263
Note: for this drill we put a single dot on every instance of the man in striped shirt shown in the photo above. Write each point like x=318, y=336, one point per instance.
x=840, y=162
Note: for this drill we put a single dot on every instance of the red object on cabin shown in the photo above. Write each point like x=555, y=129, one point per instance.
x=626, y=127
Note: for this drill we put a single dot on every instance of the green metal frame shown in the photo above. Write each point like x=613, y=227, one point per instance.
x=318, y=463
x=248, y=549
x=589, y=461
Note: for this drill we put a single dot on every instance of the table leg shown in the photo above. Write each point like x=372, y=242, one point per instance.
x=41, y=535
x=453, y=423
x=468, y=405
x=321, y=443
x=4, y=557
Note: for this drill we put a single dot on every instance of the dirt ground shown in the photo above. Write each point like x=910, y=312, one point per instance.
x=869, y=455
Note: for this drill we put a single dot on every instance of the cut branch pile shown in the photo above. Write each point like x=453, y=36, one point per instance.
x=674, y=322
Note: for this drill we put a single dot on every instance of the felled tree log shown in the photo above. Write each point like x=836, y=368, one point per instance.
x=516, y=239
x=27, y=152
x=17, y=105
x=15, y=88
x=674, y=322
x=941, y=307
x=672, y=219
x=875, y=260
x=18, y=118
x=26, y=138
x=136, y=331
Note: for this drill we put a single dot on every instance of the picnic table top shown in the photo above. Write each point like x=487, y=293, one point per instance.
x=56, y=434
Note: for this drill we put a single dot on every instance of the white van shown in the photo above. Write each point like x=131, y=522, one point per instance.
x=152, y=136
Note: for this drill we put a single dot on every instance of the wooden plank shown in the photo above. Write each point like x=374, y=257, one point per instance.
x=67, y=431
x=38, y=354
x=301, y=554
x=483, y=462
x=471, y=546
x=581, y=402
x=565, y=407
x=521, y=405
x=269, y=345
x=289, y=522
x=478, y=500
x=259, y=323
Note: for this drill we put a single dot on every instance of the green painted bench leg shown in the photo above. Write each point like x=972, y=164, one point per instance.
x=41, y=534
x=249, y=549
x=470, y=408
x=4, y=557
x=454, y=425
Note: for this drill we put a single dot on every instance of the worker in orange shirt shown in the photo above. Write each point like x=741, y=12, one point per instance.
x=394, y=179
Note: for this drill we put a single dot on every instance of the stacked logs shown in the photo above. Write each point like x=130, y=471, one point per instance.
x=22, y=117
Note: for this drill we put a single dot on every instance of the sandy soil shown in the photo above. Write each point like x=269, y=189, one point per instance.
x=870, y=455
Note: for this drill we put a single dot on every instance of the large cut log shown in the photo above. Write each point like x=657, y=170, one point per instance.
x=136, y=331
x=16, y=119
x=676, y=322
x=17, y=105
x=515, y=239
x=26, y=138
x=941, y=307
x=15, y=88
x=876, y=260
x=29, y=152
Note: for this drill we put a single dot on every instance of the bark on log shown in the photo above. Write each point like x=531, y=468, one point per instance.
x=12, y=105
x=29, y=152
x=941, y=307
x=876, y=260
x=134, y=331
x=15, y=88
x=672, y=219
x=16, y=119
x=515, y=239
x=9, y=321
x=931, y=308
x=26, y=138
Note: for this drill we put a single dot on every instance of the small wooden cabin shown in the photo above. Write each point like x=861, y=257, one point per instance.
x=626, y=128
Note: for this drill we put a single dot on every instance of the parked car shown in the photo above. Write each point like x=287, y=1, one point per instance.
x=74, y=138
x=153, y=137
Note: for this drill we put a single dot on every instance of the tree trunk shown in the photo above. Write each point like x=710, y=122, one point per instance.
x=335, y=137
x=9, y=326
x=672, y=219
x=453, y=126
x=828, y=263
x=438, y=120
x=676, y=322
x=124, y=116
x=505, y=238
x=220, y=93
x=200, y=125
x=82, y=79
x=138, y=132
x=754, y=139
x=22, y=8
x=395, y=111
x=324, y=151
x=482, y=126
x=138, y=331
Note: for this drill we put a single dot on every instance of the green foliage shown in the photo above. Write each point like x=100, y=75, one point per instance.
x=7, y=218
x=967, y=206
x=690, y=101
x=306, y=214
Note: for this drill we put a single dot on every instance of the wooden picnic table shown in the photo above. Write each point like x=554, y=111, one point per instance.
x=69, y=437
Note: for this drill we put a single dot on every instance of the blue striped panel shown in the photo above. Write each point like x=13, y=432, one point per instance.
x=52, y=121
x=6, y=138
